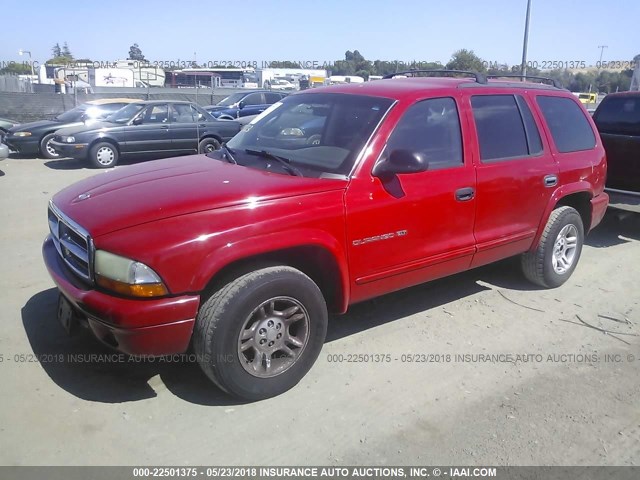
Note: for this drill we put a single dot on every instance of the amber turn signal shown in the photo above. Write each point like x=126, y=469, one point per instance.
x=137, y=290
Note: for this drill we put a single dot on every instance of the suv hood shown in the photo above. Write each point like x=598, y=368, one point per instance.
x=138, y=194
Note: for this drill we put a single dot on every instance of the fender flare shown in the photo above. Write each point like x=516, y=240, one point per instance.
x=225, y=255
x=559, y=194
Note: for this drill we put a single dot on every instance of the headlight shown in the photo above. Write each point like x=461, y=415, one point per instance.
x=68, y=139
x=22, y=134
x=292, y=132
x=126, y=276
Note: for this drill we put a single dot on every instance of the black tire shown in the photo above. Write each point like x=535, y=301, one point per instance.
x=208, y=145
x=45, y=150
x=541, y=266
x=103, y=155
x=223, y=318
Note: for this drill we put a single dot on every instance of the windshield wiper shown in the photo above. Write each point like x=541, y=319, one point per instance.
x=228, y=155
x=284, y=161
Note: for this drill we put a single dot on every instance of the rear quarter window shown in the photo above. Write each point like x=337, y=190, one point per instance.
x=568, y=124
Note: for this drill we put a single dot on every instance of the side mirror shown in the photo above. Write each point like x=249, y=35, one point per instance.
x=241, y=105
x=137, y=121
x=399, y=162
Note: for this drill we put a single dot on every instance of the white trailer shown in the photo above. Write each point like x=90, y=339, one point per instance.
x=266, y=75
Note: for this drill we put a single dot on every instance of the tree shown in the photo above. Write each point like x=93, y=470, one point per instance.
x=135, y=53
x=66, y=52
x=61, y=56
x=17, y=68
x=466, y=60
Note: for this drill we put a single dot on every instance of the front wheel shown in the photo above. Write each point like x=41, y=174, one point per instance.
x=208, y=145
x=46, y=149
x=554, y=260
x=103, y=155
x=258, y=335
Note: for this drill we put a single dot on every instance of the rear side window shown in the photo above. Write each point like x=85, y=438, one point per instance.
x=506, y=128
x=272, y=98
x=253, y=99
x=569, y=127
x=530, y=127
x=619, y=115
x=431, y=128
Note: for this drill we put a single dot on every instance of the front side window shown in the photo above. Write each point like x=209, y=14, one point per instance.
x=318, y=132
x=430, y=128
x=125, y=113
x=568, y=124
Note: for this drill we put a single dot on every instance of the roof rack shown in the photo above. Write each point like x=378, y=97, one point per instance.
x=480, y=78
x=552, y=81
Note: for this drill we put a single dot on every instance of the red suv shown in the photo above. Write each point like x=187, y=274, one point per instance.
x=241, y=253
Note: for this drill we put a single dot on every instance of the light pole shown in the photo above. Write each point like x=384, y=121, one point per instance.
x=601, y=47
x=523, y=67
x=22, y=52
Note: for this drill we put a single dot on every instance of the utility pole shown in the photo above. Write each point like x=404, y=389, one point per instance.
x=523, y=67
x=601, y=47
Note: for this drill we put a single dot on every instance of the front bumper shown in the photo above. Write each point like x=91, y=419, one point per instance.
x=137, y=327
x=23, y=145
x=73, y=150
x=599, y=205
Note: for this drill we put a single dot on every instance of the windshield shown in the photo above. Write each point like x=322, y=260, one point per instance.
x=73, y=115
x=125, y=113
x=231, y=100
x=321, y=133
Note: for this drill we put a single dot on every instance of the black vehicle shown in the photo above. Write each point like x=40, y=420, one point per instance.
x=244, y=104
x=618, y=121
x=34, y=138
x=159, y=128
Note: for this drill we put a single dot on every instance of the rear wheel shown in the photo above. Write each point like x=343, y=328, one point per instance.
x=46, y=149
x=103, y=155
x=259, y=334
x=558, y=252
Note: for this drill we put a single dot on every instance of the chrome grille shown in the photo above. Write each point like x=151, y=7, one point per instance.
x=72, y=242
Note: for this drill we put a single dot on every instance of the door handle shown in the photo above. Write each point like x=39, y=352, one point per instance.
x=465, y=194
x=165, y=127
x=550, y=180
x=202, y=125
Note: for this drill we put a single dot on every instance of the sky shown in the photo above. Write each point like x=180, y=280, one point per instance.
x=322, y=31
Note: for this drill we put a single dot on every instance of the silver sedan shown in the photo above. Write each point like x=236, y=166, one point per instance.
x=4, y=151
